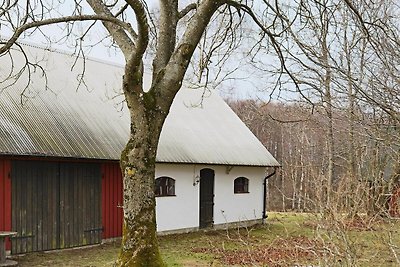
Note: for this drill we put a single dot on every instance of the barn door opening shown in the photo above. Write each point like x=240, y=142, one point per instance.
x=80, y=205
x=35, y=210
x=206, y=198
x=55, y=205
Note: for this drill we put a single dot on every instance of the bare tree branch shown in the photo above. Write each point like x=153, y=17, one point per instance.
x=167, y=34
x=125, y=43
x=171, y=79
x=275, y=44
x=6, y=8
x=122, y=10
x=187, y=9
x=35, y=24
x=142, y=40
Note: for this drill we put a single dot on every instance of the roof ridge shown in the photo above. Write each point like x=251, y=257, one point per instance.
x=64, y=52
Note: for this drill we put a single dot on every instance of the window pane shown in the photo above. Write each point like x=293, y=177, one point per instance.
x=245, y=185
x=171, y=188
x=241, y=185
x=165, y=186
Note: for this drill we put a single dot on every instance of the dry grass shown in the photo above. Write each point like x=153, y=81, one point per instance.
x=288, y=239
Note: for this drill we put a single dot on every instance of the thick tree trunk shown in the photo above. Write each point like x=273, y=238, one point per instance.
x=139, y=243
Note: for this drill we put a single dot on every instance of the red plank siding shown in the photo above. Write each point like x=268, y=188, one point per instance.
x=5, y=198
x=112, y=200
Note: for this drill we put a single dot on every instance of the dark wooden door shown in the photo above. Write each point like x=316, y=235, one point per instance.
x=206, y=198
x=55, y=205
x=80, y=204
x=35, y=210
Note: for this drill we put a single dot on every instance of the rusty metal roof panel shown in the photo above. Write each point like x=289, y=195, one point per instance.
x=88, y=118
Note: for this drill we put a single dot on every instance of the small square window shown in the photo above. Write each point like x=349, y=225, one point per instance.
x=164, y=186
x=241, y=185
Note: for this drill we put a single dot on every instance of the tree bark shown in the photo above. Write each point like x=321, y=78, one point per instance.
x=326, y=82
x=139, y=244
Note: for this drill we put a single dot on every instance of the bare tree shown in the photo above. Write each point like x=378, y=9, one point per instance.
x=174, y=50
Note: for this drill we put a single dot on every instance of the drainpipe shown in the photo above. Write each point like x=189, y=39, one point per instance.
x=264, y=213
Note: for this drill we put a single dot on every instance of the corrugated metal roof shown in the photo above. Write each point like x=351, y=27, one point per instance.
x=89, y=121
x=203, y=128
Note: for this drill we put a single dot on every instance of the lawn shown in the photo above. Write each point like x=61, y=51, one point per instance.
x=287, y=239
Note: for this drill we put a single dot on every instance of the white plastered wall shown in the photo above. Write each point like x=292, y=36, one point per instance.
x=230, y=207
x=182, y=211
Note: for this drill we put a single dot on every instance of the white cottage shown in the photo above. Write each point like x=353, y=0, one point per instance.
x=217, y=166
x=59, y=151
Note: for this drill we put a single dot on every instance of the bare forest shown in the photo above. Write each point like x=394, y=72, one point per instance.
x=366, y=170
x=336, y=131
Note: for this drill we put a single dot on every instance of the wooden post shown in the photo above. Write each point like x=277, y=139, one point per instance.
x=2, y=249
x=3, y=258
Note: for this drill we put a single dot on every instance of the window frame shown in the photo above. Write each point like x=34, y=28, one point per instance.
x=164, y=186
x=241, y=185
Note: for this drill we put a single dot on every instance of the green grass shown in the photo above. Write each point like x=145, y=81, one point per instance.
x=286, y=240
